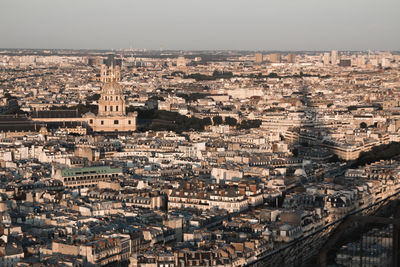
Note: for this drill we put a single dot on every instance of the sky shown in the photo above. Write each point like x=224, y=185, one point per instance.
x=283, y=25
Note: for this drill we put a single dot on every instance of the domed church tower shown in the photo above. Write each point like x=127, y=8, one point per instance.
x=112, y=115
x=112, y=99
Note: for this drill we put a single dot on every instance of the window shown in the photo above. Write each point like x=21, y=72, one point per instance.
x=116, y=98
x=102, y=122
x=105, y=97
x=111, y=98
x=105, y=108
x=129, y=122
x=116, y=108
x=116, y=122
x=111, y=108
x=91, y=121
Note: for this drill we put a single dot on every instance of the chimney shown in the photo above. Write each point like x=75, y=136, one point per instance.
x=242, y=191
x=253, y=188
x=222, y=192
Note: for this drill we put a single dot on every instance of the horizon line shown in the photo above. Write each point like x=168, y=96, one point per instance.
x=200, y=50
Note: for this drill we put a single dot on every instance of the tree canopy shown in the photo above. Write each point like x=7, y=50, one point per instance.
x=248, y=124
x=162, y=120
x=217, y=120
x=93, y=97
x=230, y=121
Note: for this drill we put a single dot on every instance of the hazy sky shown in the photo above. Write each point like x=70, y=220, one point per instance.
x=201, y=24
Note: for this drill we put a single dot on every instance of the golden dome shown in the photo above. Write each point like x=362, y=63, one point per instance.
x=112, y=88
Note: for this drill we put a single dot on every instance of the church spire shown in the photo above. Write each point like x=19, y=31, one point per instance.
x=111, y=74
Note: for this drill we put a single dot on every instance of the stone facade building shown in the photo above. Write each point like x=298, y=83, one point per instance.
x=112, y=115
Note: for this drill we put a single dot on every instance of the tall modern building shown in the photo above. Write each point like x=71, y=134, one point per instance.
x=326, y=58
x=345, y=63
x=291, y=58
x=334, y=57
x=275, y=58
x=259, y=58
x=360, y=61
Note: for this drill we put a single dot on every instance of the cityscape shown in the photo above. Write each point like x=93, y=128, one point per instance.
x=198, y=157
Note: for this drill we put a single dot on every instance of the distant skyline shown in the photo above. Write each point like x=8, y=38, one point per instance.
x=297, y=25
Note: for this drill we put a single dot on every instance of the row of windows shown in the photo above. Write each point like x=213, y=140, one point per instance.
x=115, y=122
x=111, y=98
x=111, y=108
x=85, y=182
x=90, y=177
x=82, y=186
x=86, y=178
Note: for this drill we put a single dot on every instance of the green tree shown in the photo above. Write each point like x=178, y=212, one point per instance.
x=230, y=121
x=94, y=97
x=207, y=121
x=9, y=96
x=217, y=120
x=248, y=124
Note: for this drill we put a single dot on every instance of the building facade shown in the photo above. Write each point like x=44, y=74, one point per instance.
x=112, y=115
x=86, y=177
